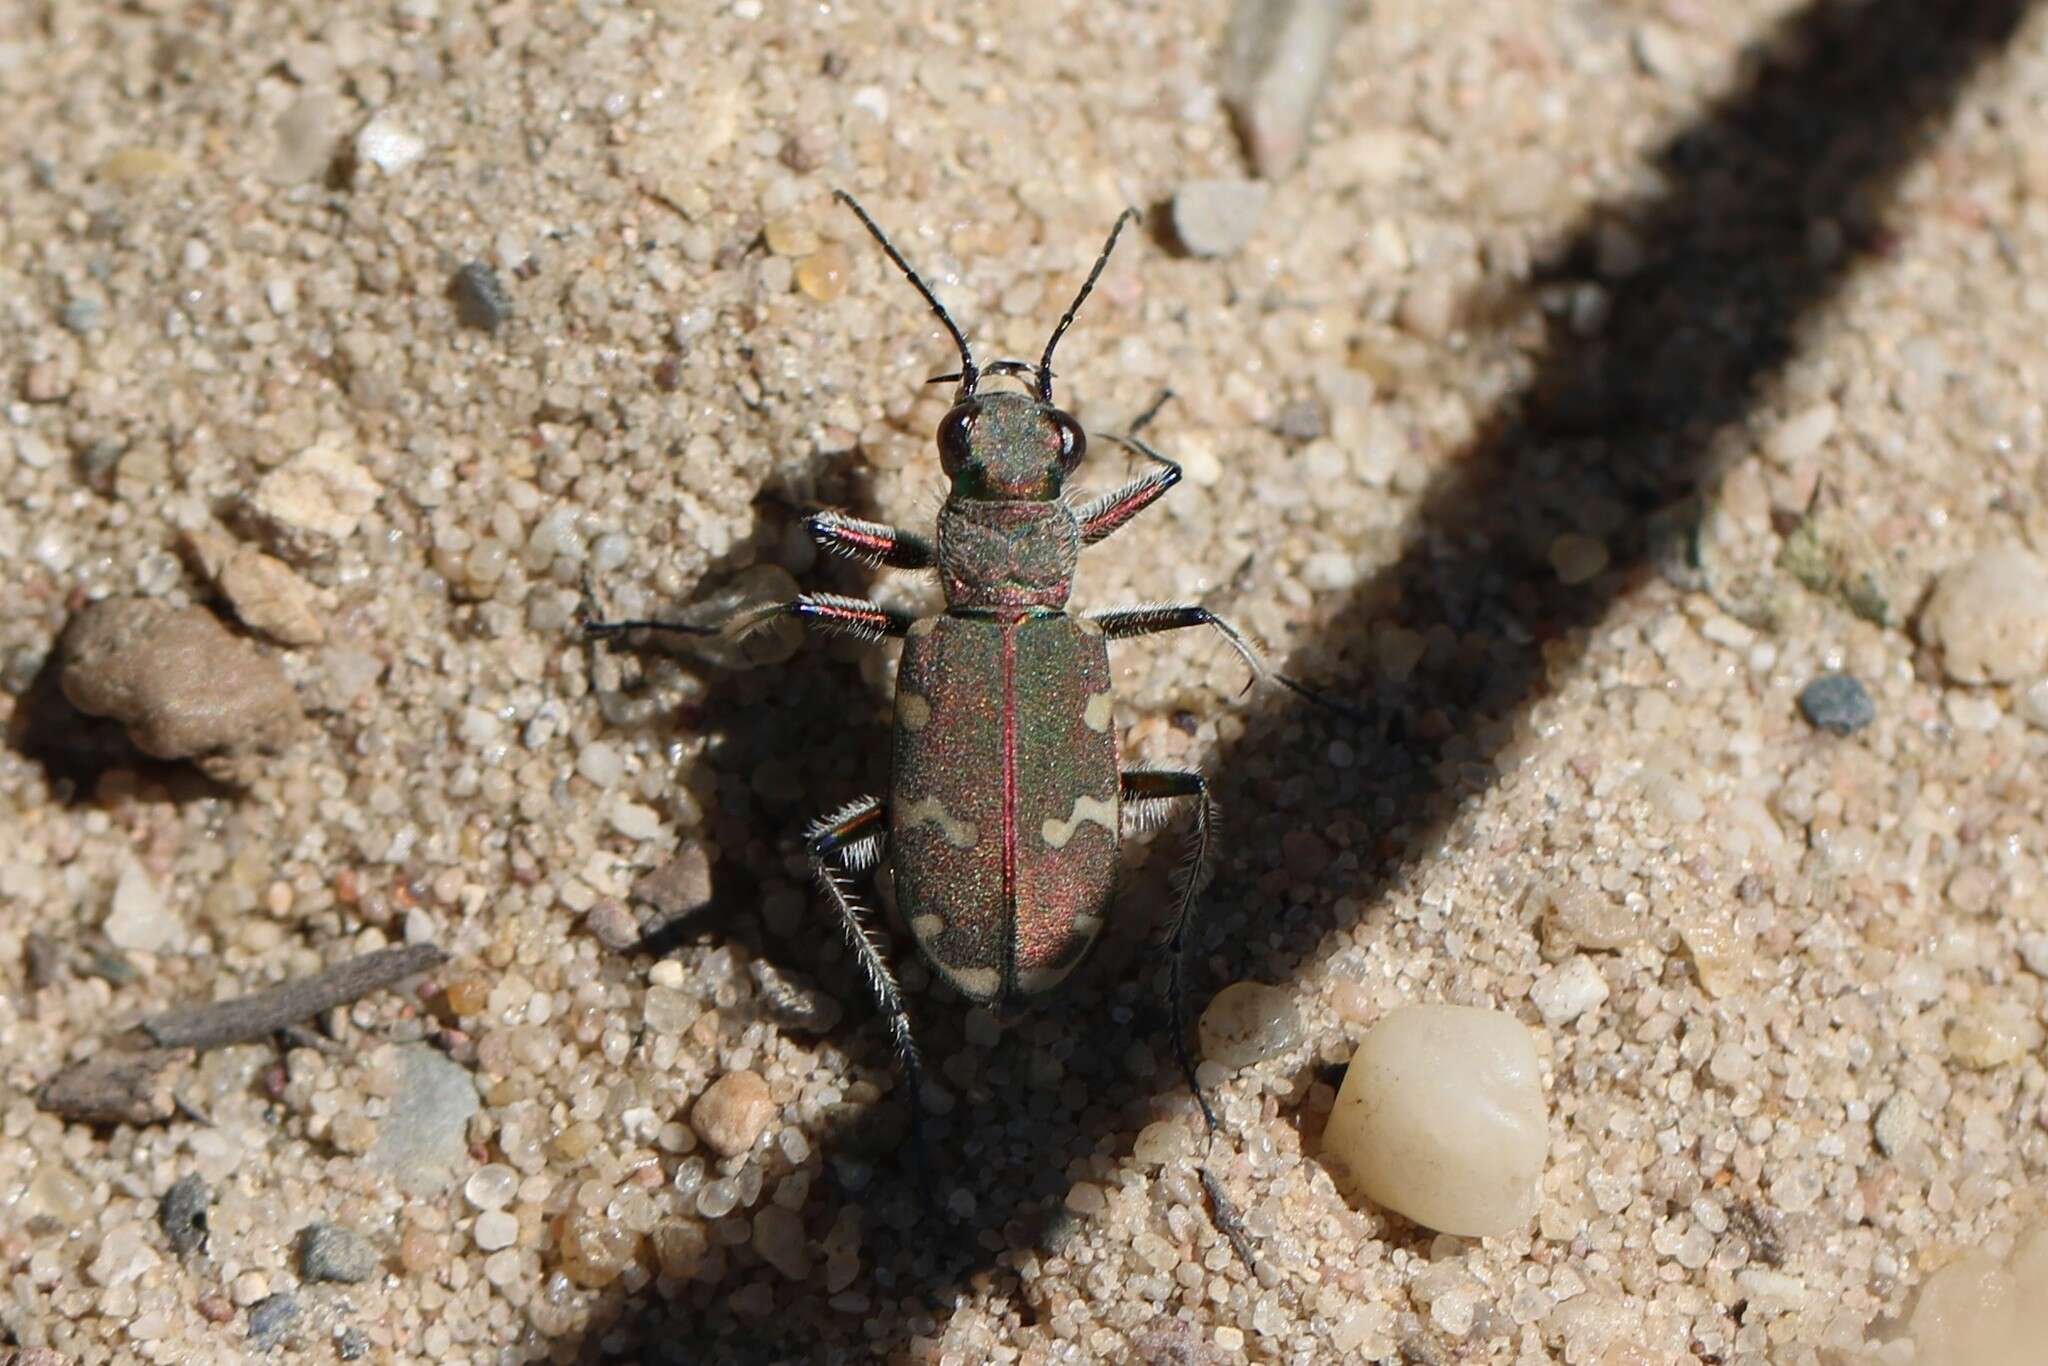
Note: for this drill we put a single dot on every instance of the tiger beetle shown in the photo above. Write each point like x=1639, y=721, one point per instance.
x=1006, y=810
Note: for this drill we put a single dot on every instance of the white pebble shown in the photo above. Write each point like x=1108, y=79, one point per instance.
x=1568, y=991
x=388, y=146
x=1988, y=617
x=491, y=1186
x=1441, y=1118
x=634, y=821
x=495, y=1229
x=1217, y=217
x=1801, y=434
x=138, y=920
x=599, y=763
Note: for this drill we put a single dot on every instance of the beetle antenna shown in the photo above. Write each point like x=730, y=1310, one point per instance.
x=1067, y=319
x=969, y=372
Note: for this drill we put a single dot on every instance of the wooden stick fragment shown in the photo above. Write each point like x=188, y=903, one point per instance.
x=257, y=1016
x=118, y=1087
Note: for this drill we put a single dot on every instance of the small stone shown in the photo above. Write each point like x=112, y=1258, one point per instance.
x=1897, y=1124
x=1441, y=1118
x=270, y=1317
x=1217, y=217
x=634, y=820
x=678, y=885
x=595, y=1250
x=792, y=1003
x=175, y=679
x=132, y=165
x=1969, y=1314
x=1568, y=991
x=182, y=1213
x=1577, y=559
x=267, y=595
x=329, y=1252
x=1584, y=918
x=1988, y=618
x=1837, y=703
x=1801, y=435
x=732, y=1113
x=614, y=926
x=1658, y=52
x=1720, y=955
x=822, y=275
x=599, y=764
x=306, y=134
x=779, y=1238
x=480, y=299
x=316, y=498
x=1990, y=1034
x=1247, y=1023
x=1428, y=307
x=424, y=1138
x=790, y=236
x=353, y=1344
x=668, y=1010
x=124, y=1254
x=495, y=1228
x=1162, y=1141
x=137, y=921
x=387, y=145
x=491, y=1186
x=83, y=315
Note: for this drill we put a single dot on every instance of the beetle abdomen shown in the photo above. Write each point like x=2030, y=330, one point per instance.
x=1003, y=815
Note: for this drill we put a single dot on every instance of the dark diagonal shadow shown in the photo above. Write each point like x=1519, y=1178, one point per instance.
x=1839, y=101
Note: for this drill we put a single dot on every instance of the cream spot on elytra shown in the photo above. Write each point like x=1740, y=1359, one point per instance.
x=1099, y=713
x=931, y=811
x=912, y=711
x=1057, y=832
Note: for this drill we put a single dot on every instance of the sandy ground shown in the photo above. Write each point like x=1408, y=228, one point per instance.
x=1547, y=270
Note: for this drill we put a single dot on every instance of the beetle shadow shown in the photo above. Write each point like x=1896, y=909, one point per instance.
x=1836, y=103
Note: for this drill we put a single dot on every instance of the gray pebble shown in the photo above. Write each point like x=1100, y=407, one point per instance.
x=480, y=298
x=329, y=1252
x=182, y=1212
x=352, y=1345
x=1301, y=420
x=1837, y=703
x=1216, y=217
x=83, y=315
x=425, y=1136
x=269, y=1317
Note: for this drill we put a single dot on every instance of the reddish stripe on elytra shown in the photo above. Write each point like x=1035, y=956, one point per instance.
x=1009, y=629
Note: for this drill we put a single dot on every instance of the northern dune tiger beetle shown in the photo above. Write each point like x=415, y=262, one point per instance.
x=1006, y=810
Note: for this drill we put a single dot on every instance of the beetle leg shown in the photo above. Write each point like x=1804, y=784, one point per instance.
x=856, y=617
x=870, y=542
x=848, y=840
x=1169, y=784
x=1152, y=618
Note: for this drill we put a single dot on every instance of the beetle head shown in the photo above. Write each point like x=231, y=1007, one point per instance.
x=1009, y=447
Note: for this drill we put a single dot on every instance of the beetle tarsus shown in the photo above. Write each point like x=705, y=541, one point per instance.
x=851, y=838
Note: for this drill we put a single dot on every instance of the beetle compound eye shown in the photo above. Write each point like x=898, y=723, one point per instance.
x=1073, y=441
x=954, y=430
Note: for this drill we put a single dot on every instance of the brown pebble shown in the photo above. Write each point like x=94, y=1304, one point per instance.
x=822, y=275
x=420, y=1250
x=176, y=679
x=681, y=884
x=215, y=1308
x=467, y=995
x=732, y=1112
x=266, y=593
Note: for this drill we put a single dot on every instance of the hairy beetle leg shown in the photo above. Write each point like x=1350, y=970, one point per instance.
x=874, y=543
x=1169, y=784
x=856, y=617
x=1154, y=618
x=847, y=841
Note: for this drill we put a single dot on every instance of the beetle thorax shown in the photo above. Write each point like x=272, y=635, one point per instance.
x=1007, y=555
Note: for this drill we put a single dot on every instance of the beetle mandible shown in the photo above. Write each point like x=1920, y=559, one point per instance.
x=1003, y=827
